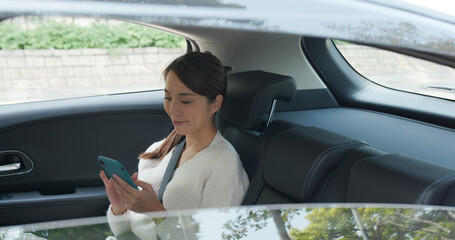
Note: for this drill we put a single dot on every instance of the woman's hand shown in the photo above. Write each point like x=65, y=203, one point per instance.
x=144, y=200
x=118, y=205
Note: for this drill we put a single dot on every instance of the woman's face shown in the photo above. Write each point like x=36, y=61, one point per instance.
x=190, y=113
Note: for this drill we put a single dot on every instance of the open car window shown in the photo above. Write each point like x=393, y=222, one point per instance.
x=50, y=58
x=398, y=71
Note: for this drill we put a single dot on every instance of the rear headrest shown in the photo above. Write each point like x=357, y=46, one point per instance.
x=250, y=95
x=298, y=160
x=396, y=178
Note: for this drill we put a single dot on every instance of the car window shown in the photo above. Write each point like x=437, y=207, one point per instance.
x=59, y=58
x=399, y=71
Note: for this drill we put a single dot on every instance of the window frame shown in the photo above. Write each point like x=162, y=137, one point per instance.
x=189, y=46
x=422, y=59
x=351, y=89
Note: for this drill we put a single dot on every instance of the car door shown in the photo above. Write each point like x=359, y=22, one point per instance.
x=49, y=148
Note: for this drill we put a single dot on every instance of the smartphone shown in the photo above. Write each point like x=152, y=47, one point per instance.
x=112, y=167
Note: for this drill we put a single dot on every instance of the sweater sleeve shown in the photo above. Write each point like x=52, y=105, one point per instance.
x=226, y=184
x=119, y=224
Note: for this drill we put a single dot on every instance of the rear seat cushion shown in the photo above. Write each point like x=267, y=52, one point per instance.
x=298, y=160
x=271, y=196
x=395, y=178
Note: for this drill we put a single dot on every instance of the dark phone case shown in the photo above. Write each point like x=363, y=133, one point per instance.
x=112, y=167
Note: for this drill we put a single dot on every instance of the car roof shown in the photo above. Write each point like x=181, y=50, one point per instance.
x=387, y=23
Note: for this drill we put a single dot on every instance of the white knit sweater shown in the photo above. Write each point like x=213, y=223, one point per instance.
x=213, y=178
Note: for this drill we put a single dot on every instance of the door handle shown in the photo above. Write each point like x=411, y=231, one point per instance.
x=10, y=162
x=13, y=162
x=10, y=167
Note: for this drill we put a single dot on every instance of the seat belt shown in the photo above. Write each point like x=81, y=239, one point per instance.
x=170, y=168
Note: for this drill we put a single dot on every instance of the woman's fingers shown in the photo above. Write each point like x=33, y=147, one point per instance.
x=134, y=177
x=112, y=193
x=145, y=186
x=144, y=200
x=124, y=184
x=104, y=178
x=128, y=198
x=128, y=193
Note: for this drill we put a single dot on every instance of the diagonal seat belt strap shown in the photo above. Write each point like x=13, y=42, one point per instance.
x=170, y=168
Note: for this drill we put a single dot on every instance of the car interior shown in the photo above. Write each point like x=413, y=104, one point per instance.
x=308, y=129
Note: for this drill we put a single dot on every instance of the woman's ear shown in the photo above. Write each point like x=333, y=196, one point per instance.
x=217, y=103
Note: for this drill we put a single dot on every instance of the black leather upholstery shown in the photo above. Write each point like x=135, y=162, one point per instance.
x=247, y=144
x=308, y=164
x=291, y=163
x=335, y=188
x=259, y=191
x=250, y=95
x=396, y=178
x=296, y=160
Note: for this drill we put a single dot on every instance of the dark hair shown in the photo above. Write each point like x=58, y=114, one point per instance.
x=203, y=74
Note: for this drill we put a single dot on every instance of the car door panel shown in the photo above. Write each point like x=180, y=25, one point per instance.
x=63, y=146
x=28, y=207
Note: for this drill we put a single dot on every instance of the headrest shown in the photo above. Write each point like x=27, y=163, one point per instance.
x=250, y=95
x=396, y=178
x=298, y=160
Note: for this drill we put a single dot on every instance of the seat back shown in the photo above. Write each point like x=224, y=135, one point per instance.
x=396, y=178
x=258, y=188
x=336, y=187
x=297, y=160
x=249, y=97
x=247, y=145
x=308, y=164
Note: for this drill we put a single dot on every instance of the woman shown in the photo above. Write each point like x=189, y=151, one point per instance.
x=208, y=172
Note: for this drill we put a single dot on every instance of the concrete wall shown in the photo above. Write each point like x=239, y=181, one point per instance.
x=27, y=75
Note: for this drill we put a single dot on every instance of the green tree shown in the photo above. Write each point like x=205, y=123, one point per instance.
x=257, y=219
x=328, y=223
x=377, y=223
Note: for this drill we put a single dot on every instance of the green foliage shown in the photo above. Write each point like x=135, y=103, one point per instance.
x=341, y=224
x=100, y=231
x=340, y=42
x=378, y=223
x=256, y=219
x=51, y=34
x=327, y=223
x=238, y=228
